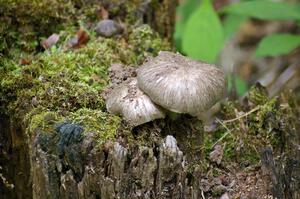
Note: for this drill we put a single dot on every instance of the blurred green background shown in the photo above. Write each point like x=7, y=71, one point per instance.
x=253, y=40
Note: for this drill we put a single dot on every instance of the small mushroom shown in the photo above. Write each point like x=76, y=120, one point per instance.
x=180, y=84
x=108, y=28
x=130, y=102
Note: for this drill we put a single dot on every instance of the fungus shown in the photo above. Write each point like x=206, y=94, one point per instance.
x=180, y=84
x=130, y=102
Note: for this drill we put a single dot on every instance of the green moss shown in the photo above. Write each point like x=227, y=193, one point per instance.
x=24, y=23
x=103, y=125
x=248, y=131
x=258, y=95
x=41, y=121
x=152, y=44
x=66, y=84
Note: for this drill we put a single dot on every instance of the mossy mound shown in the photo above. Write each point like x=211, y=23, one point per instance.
x=24, y=23
x=247, y=128
x=63, y=84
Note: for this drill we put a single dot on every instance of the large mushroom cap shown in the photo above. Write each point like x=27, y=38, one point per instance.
x=180, y=84
x=130, y=102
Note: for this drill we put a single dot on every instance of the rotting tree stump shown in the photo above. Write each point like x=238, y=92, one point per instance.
x=65, y=163
x=158, y=160
x=69, y=165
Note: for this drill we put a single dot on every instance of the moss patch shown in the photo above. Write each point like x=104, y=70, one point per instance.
x=24, y=23
x=103, y=125
x=245, y=130
x=66, y=84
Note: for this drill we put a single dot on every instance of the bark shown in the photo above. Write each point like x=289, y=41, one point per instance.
x=70, y=165
x=283, y=174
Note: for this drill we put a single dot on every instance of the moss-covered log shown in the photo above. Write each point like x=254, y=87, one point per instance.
x=24, y=23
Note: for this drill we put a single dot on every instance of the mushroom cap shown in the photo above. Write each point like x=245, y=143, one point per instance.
x=180, y=84
x=133, y=104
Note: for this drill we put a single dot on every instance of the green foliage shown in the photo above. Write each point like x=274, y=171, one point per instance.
x=183, y=12
x=203, y=35
x=273, y=45
x=266, y=10
x=277, y=44
x=239, y=84
x=103, y=125
x=199, y=34
x=231, y=24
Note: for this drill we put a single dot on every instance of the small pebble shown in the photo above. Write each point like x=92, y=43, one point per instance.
x=108, y=28
x=225, y=196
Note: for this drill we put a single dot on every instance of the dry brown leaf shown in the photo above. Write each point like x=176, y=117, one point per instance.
x=24, y=61
x=217, y=154
x=82, y=37
x=104, y=13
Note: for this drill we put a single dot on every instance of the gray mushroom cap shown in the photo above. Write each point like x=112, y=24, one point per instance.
x=180, y=84
x=133, y=104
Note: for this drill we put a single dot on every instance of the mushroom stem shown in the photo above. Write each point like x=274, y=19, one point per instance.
x=207, y=116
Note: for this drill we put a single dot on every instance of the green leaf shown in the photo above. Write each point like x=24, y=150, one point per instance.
x=183, y=12
x=179, y=28
x=277, y=44
x=203, y=35
x=267, y=10
x=185, y=9
x=239, y=84
x=231, y=24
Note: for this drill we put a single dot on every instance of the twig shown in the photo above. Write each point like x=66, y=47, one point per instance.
x=232, y=120
x=244, y=115
x=202, y=194
x=225, y=134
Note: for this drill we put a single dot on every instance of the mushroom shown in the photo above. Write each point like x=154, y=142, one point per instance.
x=180, y=84
x=132, y=103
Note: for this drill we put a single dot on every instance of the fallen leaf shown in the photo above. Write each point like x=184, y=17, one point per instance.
x=217, y=154
x=24, y=61
x=82, y=37
x=104, y=13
